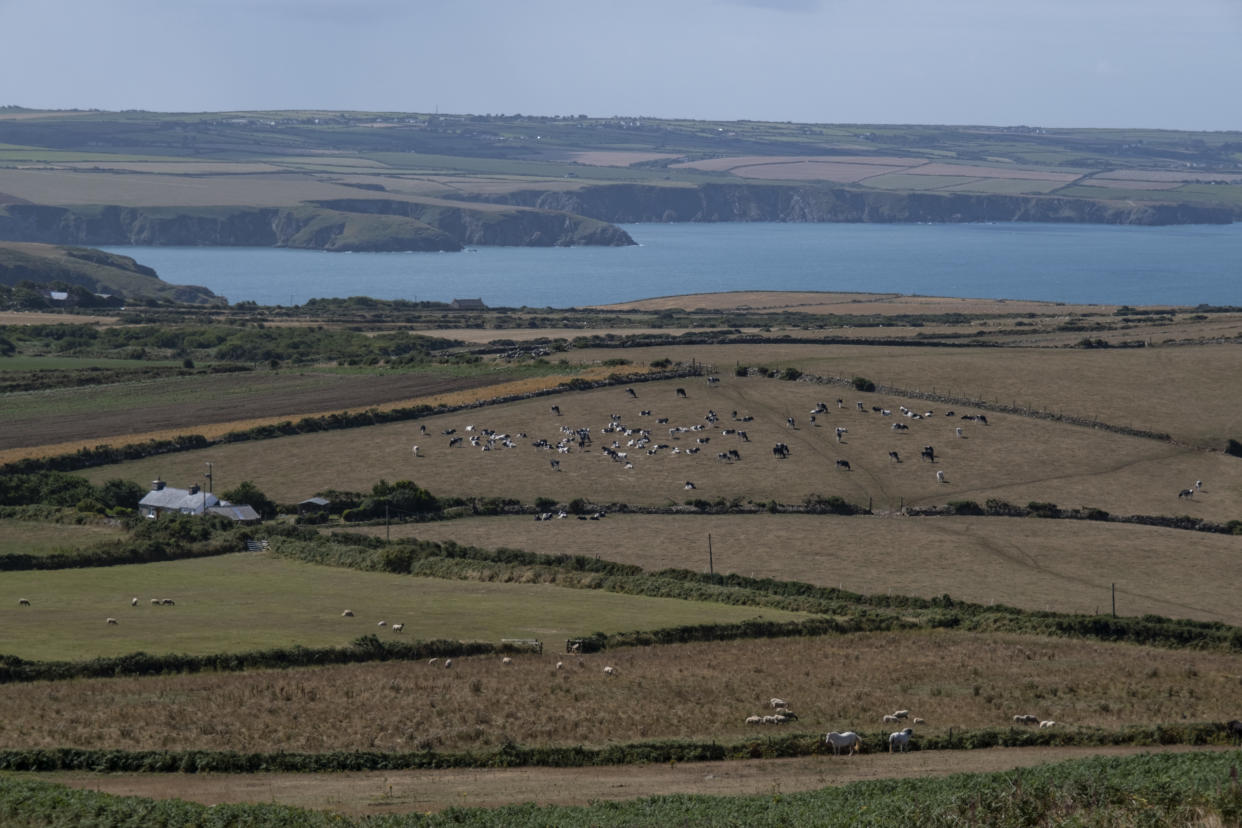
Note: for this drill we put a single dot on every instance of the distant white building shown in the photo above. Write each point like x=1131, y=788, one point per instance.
x=192, y=501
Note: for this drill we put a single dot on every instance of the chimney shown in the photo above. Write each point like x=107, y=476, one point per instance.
x=193, y=488
x=157, y=485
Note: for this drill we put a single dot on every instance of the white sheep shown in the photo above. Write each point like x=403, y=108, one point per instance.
x=778, y=703
x=1048, y=723
x=902, y=714
x=889, y=719
x=23, y=602
x=939, y=476
x=382, y=624
x=111, y=620
x=398, y=627
x=506, y=660
x=560, y=664
x=610, y=671
x=347, y=614
x=433, y=661
x=448, y=662
x=754, y=720
x=133, y=602
x=155, y=602
x=917, y=720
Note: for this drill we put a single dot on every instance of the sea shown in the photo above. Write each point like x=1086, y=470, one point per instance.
x=1072, y=263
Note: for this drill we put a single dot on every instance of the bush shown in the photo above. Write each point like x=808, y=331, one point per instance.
x=863, y=384
x=741, y=371
x=965, y=507
x=1233, y=448
x=790, y=374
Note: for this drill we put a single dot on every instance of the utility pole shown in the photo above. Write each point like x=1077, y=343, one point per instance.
x=711, y=567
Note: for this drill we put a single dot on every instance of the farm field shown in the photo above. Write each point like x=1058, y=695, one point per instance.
x=425, y=791
x=1012, y=458
x=697, y=691
x=29, y=537
x=252, y=601
x=1035, y=564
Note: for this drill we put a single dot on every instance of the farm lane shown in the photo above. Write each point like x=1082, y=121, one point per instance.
x=385, y=792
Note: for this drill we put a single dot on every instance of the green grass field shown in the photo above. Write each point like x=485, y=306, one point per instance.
x=27, y=537
x=254, y=601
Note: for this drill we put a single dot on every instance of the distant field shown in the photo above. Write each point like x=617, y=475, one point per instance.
x=1013, y=458
x=701, y=691
x=1063, y=566
x=28, y=537
x=254, y=601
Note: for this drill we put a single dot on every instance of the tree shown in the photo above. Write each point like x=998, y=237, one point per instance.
x=248, y=494
x=119, y=493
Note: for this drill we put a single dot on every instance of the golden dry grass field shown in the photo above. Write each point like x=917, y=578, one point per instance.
x=1035, y=564
x=701, y=691
x=1013, y=458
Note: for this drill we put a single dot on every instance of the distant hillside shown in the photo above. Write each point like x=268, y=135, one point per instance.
x=94, y=270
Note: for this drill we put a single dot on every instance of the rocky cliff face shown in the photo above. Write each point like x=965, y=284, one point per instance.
x=354, y=224
x=628, y=203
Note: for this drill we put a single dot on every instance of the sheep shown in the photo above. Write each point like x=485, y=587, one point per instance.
x=776, y=703
x=398, y=627
x=958, y=431
x=779, y=718
x=917, y=720
x=1025, y=719
x=888, y=719
x=1048, y=723
x=133, y=602
x=382, y=624
x=1198, y=484
x=168, y=602
x=431, y=662
x=939, y=476
x=560, y=665
x=751, y=720
x=902, y=714
x=155, y=602
x=610, y=671
x=23, y=602
x=414, y=451
x=347, y=613
x=111, y=620
x=448, y=662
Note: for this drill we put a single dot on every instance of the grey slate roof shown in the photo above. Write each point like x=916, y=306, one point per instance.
x=237, y=511
x=179, y=500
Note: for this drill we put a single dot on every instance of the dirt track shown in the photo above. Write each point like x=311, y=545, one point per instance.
x=408, y=791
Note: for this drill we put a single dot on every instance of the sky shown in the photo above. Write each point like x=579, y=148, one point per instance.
x=1051, y=63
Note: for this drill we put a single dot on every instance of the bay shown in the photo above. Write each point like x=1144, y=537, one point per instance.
x=1073, y=263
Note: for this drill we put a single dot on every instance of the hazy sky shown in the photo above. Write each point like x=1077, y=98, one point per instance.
x=1119, y=63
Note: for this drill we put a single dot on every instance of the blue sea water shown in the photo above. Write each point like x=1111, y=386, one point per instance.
x=1075, y=263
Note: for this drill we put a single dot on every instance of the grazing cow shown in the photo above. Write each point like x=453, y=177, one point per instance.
x=918, y=720
x=556, y=465
x=982, y=418
x=840, y=433
x=939, y=476
x=689, y=485
x=1234, y=728
x=843, y=464
x=900, y=740
x=556, y=409
x=780, y=450
x=1186, y=493
x=1025, y=719
x=848, y=739
x=681, y=392
x=860, y=407
x=789, y=421
x=958, y=431
x=1198, y=484
x=900, y=427
x=929, y=454
x=454, y=441
x=631, y=392
x=744, y=436
x=896, y=458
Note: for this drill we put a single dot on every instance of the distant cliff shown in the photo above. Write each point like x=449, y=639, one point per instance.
x=631, y=203
x=96, y=271
x=354, y=224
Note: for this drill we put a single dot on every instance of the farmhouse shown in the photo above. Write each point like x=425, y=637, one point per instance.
x=468, y=304
x=192, y=501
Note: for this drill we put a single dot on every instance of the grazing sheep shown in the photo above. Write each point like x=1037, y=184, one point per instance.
x=431, y=662
x=754, y=720
x=610, y=671
x=111, y=620
x=958, y=431
x=168, y=602
x=23, y=602
x=1048, y=723
x=155, y=602
x=398, y=627
x=900, y=740
x=917, y=720
x=415, y=451
x=889, y=719
x=133, y=602
x=1026, y=719
x=347, y=614
x=506, y=660
x=448, y=662
x=382, y=624
x=560, y=664
x=902, y=714
x=780, y=718
x=939, y=476
x=778, y=703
